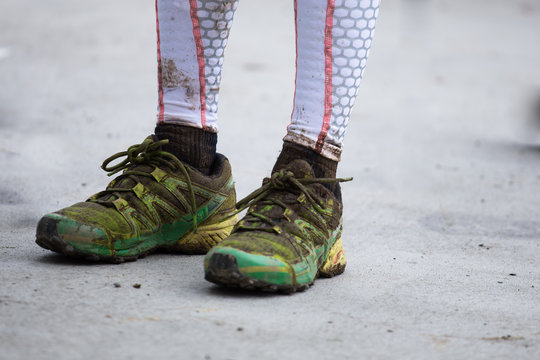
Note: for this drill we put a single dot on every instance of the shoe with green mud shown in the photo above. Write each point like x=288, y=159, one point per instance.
x=290, y=235
x=157, y=202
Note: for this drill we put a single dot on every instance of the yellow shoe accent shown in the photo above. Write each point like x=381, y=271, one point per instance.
x=335, y=262
x=206, y=237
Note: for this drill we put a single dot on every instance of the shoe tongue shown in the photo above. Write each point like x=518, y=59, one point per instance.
x=300, y=169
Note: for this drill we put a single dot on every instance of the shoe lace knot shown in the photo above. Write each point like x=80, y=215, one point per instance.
x=280, y=179
x=268, y=194
x=149, y=152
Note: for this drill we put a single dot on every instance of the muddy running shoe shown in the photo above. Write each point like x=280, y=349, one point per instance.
x=290, y=235
x=156, y=203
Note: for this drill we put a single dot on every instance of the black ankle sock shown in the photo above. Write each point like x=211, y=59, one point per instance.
x=322, y=167
x=194, y=146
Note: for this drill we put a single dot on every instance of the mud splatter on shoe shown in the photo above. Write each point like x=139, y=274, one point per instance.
x=290, y=235
x=157, y=202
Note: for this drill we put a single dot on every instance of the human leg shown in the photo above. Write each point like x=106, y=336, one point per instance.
x=174, y=191
x=292, y=231
x=192, y=36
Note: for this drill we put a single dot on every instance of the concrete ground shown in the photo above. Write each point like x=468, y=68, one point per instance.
x=442, y=226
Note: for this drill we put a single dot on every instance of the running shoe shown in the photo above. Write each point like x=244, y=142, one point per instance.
x=290, y=235
x=157, y=202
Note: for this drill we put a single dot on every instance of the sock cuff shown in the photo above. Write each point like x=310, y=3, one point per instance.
x=322, y=166
x=192, y=145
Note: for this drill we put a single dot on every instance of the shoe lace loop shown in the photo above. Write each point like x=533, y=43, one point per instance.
x=148, y=153
x=283, y=180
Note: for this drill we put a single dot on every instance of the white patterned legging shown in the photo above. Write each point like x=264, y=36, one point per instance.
x=333, y=38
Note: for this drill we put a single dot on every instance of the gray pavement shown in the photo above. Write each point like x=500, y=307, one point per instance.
x=442, y=225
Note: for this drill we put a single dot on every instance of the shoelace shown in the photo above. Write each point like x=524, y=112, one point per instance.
x=283, y=180
x=147, y=153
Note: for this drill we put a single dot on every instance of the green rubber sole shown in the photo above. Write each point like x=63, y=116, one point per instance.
x=234, y=268
x=208, y=235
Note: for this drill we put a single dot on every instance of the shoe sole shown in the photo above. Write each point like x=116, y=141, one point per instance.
x=204, y=239
x=222, y=269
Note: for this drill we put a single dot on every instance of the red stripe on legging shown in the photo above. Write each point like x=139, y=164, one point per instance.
x=160, y=84
x=327, y=74
x=200, y=57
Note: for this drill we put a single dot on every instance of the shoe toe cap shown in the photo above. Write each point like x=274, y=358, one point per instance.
x=63, y=234
x=228, y=262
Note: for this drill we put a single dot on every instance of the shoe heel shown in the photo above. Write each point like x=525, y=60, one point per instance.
x=206, y=237
x=335, y=262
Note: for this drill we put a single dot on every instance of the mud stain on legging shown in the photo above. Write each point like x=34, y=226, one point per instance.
x=173, y=78
x=218, y=14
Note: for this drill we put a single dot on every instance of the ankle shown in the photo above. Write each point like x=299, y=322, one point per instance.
x=194, y=146
x=322, y=166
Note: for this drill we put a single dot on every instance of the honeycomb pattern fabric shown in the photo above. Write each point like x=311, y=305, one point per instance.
x=215, y=18
x=333, y=42
x=352, y=34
